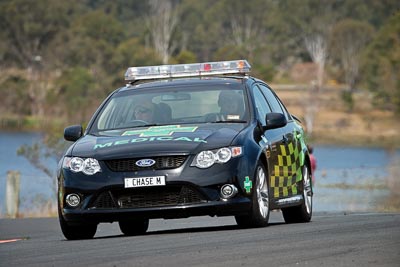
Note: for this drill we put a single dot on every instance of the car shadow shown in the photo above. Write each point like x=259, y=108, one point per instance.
x=190, y=230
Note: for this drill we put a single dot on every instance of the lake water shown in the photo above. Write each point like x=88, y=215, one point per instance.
x=353, y=179
x=347, y=179
x=35, y=185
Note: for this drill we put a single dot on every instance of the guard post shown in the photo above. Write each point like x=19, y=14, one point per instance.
x=12, y=193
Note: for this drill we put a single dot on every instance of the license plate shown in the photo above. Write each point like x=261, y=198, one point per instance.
x=144, y=181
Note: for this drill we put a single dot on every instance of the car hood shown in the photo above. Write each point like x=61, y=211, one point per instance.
x=156, y=140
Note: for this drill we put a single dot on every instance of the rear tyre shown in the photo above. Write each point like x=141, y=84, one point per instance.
x=303, y=212
x=259, y=214
x=76, y=231
x=134, y=227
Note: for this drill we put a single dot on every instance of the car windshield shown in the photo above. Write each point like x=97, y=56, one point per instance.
x=173, y=105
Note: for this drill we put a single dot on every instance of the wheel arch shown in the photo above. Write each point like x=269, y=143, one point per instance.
x=307, y=161
x=263, y=159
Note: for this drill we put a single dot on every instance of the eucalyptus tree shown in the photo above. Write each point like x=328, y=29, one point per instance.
x=349, y=38
x=307, y=26
x=161, y=23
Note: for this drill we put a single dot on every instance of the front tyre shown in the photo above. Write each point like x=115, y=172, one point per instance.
x=303, y=212
x=76, y=231
x=259, y=214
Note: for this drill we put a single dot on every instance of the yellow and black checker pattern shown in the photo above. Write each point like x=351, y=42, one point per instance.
x=286, y=172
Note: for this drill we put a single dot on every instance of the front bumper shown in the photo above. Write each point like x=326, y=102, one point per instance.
x=235, y=206
x=188, y=192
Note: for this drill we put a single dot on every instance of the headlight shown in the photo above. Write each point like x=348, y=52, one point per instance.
x=223, y=155
x=206, y=159
x=76, y=164
x=91, y=166
x=88, y=166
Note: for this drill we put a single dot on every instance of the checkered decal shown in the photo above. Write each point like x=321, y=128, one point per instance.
x=287, y=172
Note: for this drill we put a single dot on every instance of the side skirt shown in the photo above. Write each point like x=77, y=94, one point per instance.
x=287, y=202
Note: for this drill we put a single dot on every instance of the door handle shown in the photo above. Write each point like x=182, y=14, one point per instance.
x=284, y=140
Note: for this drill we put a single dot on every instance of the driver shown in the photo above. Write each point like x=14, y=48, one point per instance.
x=144, y=111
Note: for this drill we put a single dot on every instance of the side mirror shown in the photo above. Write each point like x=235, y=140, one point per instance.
x=275, y=120
x=73, y=133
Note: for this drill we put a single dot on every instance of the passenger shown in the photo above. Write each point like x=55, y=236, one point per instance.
x=165, y=112
x=231, y=106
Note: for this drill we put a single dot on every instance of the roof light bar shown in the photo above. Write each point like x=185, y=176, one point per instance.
x=187, y=70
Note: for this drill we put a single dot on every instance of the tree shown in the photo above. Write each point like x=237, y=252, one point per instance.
x=132, y=53
x=14, y=100
x=200, y=27
x=313, y=25
x=75, y=88
x=349, y=38
x=89, y=46
x=29, y=28
x=89, y=41
x=297, y=20
x=246, y=29
x=317, y=47
x=381, y=65
x=372, y=12
x=185, y=57
x=162, y=22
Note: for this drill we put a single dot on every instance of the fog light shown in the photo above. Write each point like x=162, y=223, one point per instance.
x=73, y=200
x=228, y=191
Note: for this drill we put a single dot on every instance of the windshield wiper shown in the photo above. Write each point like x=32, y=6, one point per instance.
x=230, y=121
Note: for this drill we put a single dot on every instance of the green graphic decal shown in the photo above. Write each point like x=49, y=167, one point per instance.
x=161, y=131
x=287, y=172
x=248, y=184
x=299, y=137
x=150, y=139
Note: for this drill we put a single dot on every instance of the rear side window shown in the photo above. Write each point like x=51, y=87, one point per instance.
x=275, y=104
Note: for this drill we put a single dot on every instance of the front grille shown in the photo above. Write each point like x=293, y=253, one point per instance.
x=105, y=200
x=162, y=163
x=148, y=197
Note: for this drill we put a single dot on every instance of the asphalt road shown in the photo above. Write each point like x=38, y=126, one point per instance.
x=366, y=239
